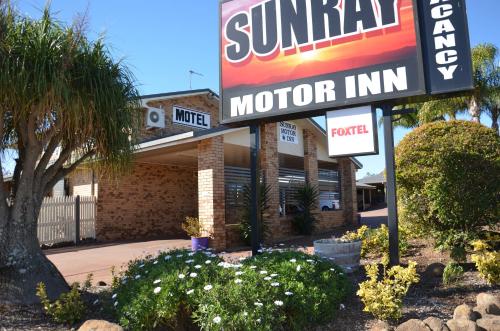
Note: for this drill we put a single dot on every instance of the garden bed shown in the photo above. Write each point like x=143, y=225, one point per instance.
x=428, y=298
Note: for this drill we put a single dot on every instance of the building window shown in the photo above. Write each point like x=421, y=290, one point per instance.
x=290, y=180
x=235, y=181
x=329, y=190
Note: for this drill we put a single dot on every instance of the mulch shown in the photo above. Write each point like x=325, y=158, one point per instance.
x=428, y=298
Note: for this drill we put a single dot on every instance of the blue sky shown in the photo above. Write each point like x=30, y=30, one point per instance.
x=161, y=40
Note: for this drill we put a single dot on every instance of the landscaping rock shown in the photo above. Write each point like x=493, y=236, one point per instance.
x=98, y=325
x=464, y=312
x=489, y=323
x=462, y=325
x=381, y=326
x=489, y=303
x=435, y=270
x=413, y=325
x=435, y=324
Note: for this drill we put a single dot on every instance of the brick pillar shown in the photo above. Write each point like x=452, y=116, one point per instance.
x=269, y=164
x=348, y=187
x=211, y=199
x=311, y=160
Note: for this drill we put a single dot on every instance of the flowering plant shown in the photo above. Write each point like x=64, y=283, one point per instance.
x=275, y=290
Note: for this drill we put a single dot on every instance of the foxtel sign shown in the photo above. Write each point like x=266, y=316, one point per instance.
x=303, y=57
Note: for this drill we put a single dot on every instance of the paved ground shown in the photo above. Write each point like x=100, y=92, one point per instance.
x=374, y=218
x=75, y=263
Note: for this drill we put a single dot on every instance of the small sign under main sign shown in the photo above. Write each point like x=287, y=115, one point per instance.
x=190, y=117
x=352, y=132
x=288, y=133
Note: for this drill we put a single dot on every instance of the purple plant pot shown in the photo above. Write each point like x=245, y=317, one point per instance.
x=199, y=244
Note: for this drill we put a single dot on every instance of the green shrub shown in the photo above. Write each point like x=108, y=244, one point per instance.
x=68, y=309
x=487, y=262
x=448, y=176
x=452, y=273
x=384, y=298
x=307, y=200
x=275, y=290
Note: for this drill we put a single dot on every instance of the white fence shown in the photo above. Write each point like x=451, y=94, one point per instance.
x=59, y=220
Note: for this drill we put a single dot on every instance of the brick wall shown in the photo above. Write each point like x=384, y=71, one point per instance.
x=197, y=102
x=211, y=198
x=150, y=202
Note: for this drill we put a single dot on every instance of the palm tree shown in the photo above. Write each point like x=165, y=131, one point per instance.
x=484, y=99
x=58, y=91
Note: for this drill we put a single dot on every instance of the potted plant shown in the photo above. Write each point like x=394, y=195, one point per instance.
x=196, y=231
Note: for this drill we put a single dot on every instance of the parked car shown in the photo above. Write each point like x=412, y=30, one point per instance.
x=329, y=201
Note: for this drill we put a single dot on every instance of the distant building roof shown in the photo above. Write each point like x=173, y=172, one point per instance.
x=373, y=179
x=365, y=186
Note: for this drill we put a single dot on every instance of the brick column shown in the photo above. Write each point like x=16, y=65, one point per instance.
x=311, y=160
x=348, y=187
x=269, y=164
x=211, y=199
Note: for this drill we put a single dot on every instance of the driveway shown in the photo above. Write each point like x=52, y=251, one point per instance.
x=75, y=263
x=374, y=218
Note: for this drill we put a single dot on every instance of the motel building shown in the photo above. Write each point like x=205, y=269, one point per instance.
x=187, y=164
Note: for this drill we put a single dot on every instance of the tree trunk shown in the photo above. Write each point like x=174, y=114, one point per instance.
x=22, y=263
x=474, y=110
x=495, y=113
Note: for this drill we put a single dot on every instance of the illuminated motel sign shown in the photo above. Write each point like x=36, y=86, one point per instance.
x=284, y=58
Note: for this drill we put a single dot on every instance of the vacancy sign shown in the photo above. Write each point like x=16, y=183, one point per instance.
x=352, y=132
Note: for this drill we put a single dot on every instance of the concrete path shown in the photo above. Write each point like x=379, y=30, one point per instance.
x=75, y=263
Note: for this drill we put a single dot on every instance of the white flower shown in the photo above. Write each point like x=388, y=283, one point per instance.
x=278, y=303
x=157, y=290
x=276, y=284
x=238, y=273
x=242, y=258
x=258, y=320
x=293, y=260
x=274, y=275
x=263, y=272
x=197, y=266
x=260, y=251
x=190, y=291
x=155, y=262
x=191, y=254
x=258, y=304
x=267, y=278
x=208, y=287
x=168, y=257
x=180, y=255
x=208, y=261
x=245, y=313
x=96, y=302
x=182, y=276
x=193, y=275
x=189, y=261
x=116, y=303
x=138, y=276
x=113, y=296
x=157, y=281
x=298, y=268
x=253, y=267
x=141, y=266
x=217, y=319
x=282, y=244
x=220, y=264
x=342, y=306
x=238, y=281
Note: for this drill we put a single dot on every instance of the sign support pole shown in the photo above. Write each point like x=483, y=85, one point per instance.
x=254, y=177
x=392, y=208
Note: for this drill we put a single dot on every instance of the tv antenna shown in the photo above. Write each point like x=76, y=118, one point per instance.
x=191, y=73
